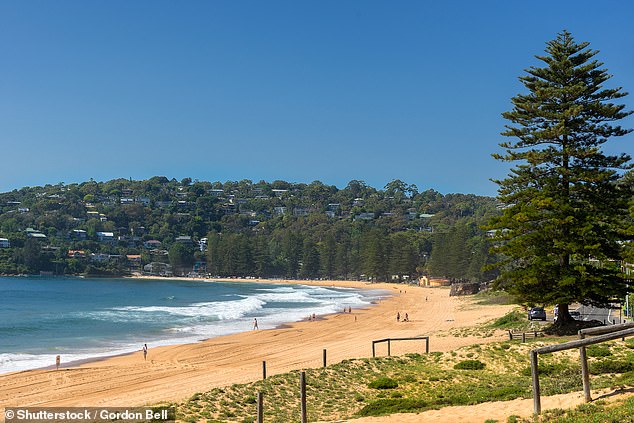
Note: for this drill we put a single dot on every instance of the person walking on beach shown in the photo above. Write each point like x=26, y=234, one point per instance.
x=406, y=318
x=57, y=361
x=398, y=317
x=255, y=324
x=144, y=351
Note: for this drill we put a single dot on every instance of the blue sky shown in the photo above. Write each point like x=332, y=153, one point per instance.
x=291, y=90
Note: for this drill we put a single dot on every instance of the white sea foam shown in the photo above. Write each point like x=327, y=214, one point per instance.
x=272, y=306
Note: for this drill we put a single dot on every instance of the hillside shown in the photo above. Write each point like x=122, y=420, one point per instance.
x=279, y=229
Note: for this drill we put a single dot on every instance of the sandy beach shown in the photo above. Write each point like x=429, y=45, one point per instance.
x=176, y=372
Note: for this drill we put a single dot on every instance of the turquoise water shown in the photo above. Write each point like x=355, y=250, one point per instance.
x=81, y=318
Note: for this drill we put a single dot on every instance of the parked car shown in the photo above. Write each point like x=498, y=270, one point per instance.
x=537, y=313
x=574, y=314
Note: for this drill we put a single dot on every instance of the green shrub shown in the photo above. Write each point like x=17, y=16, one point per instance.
x=391, y=406
x=409, y=378
x=509, y=320
x=598, y=351
x=611, y=366
x=626, y=378
x=546, y=369
x=470, y=365
x=383, y=383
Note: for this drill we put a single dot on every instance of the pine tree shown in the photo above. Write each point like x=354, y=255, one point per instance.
x=560, y=232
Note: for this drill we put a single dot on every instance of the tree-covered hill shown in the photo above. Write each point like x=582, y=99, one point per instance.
x=243, y=228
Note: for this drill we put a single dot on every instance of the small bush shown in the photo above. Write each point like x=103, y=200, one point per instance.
x=391, y=406
x=509, y=320
x=598, y=351
x=546, y=369
x=383, y=383
x=409, y=378
x=470, y=365
x=626, y=378
x=611, y=366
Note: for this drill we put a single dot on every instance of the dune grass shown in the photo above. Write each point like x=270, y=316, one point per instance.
x=410, y=383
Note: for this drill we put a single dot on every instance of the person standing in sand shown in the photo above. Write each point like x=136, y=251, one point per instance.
x=57, y=361
x=255, y=324
x=144, y=351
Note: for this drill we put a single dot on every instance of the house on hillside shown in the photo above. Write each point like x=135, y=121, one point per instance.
x=99, y=257
x=4, y=243
x=105, y=236
x=134, y=262
x=364, y=216
x=35, y=234
x=158, y=269
x=183, y=239
x=78, y=234
x=152, y=244
x=78, y=254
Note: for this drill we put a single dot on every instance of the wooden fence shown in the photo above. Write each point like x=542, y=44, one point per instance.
x=524, y=335
x=389, y=343
x=603, y=333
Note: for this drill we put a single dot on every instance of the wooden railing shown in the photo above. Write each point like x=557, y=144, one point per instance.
x=604, y=333
x=389, y=343
x=523, y=335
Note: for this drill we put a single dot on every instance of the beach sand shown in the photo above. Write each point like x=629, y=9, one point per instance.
x=174, y=373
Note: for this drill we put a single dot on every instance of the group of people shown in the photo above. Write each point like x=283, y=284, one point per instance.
x=405, y=318
x=347, y=310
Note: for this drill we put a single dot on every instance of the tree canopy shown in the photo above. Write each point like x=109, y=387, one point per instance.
x=560, y=233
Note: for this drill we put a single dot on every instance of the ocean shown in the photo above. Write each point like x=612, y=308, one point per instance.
x=83, y=318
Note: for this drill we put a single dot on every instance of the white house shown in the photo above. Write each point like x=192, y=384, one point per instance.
x=105, y=236
x=4, y=243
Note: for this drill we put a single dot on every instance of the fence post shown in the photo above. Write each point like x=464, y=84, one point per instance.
x=510, y=335
x=263, y=369
x=585, y=374
x=388, y=347
x=523, y=337
x=302, y=390
x=537, y=405
x=427, y=345
x=260, y=407
x=373, y=353
x=324, y=357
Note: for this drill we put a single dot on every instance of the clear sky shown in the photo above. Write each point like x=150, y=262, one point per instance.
x=325, y=90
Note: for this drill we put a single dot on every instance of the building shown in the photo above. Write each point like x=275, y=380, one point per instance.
x=78, y=234
x=35, y=234
x=76, y=254
x=158, y=269
x=105, y=236
x=183, y=239
x=152, y=244
x=4, y=243
x=99, y=257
